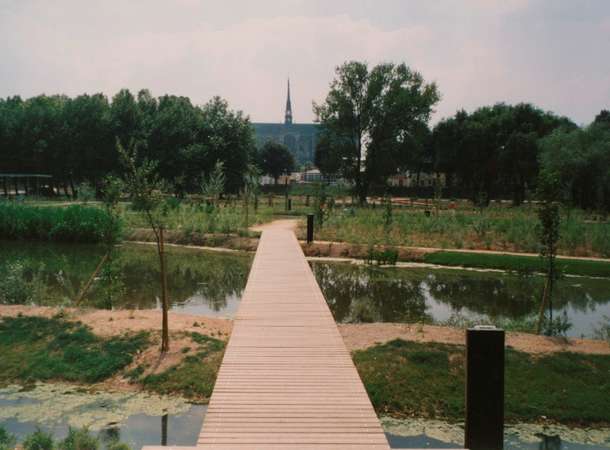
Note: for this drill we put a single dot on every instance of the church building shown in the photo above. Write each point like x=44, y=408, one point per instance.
x=300, y=138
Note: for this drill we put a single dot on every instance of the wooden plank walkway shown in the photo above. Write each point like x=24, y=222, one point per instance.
x=287, y=381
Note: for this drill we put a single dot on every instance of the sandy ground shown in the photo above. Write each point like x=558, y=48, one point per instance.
x=108, y=323
x=361, y=336
x=356, y=336
x=282, y=224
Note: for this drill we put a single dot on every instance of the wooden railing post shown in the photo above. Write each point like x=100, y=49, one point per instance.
x=484, y=388
x=309, y=228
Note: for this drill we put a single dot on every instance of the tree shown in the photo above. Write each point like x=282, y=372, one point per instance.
x=213, y=186
x=146, y=191
x=276, y=160
x=374, y=120
x=549, y=193
x=581, y=158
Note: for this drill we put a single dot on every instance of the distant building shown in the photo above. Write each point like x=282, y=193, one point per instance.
x=300, y=138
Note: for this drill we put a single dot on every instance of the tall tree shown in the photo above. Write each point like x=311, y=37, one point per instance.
x=276, y=160
x=376, y=120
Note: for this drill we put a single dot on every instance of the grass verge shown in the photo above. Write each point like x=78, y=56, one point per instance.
x=405, y=379
x=41, y=349
x=518, y=263
x=194, y=377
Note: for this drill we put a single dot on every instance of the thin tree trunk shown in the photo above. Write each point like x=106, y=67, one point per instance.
x=87, y=285
x=164, y=301
x=546, y=296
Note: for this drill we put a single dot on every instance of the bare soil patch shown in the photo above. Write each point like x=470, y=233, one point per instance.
x=362, y=336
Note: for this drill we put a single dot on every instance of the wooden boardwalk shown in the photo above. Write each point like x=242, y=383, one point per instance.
x=287, y=381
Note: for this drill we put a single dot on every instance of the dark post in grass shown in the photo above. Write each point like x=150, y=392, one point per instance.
x=484, y=388
x=310, y=228
x=289, y=205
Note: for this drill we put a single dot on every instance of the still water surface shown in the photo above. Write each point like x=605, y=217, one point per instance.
x=211, y=283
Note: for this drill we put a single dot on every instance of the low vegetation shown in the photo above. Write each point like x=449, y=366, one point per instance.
x=518, y=263
x=405, y=379
x=496, y=228
x=77, y=439
x=74, y=223
x=194, y=377
x=39, y=349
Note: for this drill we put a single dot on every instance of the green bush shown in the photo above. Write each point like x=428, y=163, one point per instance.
x=7, y=440
x=19, y=286
x=79, y=439
x=74, y=223
x=39, y=440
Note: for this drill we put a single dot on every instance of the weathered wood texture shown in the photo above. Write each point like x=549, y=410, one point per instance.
x=287, y=381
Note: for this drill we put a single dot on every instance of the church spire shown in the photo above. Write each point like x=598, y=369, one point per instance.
x=288, y=115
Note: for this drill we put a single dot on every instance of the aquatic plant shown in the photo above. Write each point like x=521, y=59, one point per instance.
x=39, y=440
x=7, y=440
x=75, y=223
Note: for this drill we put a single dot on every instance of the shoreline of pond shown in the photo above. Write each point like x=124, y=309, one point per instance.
x=197, y=345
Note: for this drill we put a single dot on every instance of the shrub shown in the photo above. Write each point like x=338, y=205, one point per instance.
x=7, y=440
x=39, y=440
x=75, y=223
x=18, y=287
x=79, y=439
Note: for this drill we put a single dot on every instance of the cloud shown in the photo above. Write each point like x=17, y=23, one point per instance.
x=478, y=52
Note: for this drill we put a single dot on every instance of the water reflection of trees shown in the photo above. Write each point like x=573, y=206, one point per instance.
x=130, y=278
x=366, y=294
x=369, y=294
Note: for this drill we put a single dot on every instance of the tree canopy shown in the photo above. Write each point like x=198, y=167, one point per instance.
x=494, y=150
x=74, y=139
x=374, y=122
x=275, y=160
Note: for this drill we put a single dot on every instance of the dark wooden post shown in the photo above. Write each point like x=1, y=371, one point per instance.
x=309, y=228
x=484, y=388
x=289, y=205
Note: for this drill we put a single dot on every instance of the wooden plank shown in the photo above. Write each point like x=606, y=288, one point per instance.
x=287, y=381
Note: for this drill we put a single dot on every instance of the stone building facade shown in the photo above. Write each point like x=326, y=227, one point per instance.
x=300, y=138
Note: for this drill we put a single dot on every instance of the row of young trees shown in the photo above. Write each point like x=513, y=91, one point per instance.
x=375, y=124
x=75, y=139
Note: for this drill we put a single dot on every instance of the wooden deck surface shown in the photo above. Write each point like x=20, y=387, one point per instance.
x=287, y=381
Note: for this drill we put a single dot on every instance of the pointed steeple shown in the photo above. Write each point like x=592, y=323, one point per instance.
x=288, y=115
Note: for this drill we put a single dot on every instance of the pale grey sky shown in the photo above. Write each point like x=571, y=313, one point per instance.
x=554, y=53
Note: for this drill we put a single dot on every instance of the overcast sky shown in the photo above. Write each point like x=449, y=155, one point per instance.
x=554, y=53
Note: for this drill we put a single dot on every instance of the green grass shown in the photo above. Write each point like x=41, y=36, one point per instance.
x=496, y=228
x=38, y=348
x=75, y=223
x=195, y=376
x=406, y=379
x=518, y=263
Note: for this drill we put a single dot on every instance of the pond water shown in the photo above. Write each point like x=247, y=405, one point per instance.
x=211, y=283
x=199, y=282
x=139, y=419
x=359, y=293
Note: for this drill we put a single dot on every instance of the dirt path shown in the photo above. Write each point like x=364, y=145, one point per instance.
x=281, y=224
x=356, y=336
x=362, y=336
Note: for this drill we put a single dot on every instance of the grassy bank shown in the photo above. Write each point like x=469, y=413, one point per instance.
x=54, y=349
x=42, y=349
x=74, y=223
x=406, y=379
x=495, y=228
x=518, y=263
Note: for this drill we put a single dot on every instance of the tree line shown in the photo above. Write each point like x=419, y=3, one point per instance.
x=75, y=139
x=375, y=124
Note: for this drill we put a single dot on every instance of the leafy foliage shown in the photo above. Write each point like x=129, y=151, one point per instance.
x=275, y=159
x=383, y=113
x=74, y=223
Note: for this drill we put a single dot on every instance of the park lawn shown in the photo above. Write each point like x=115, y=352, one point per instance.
x=518, y=263
x=405, y=379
